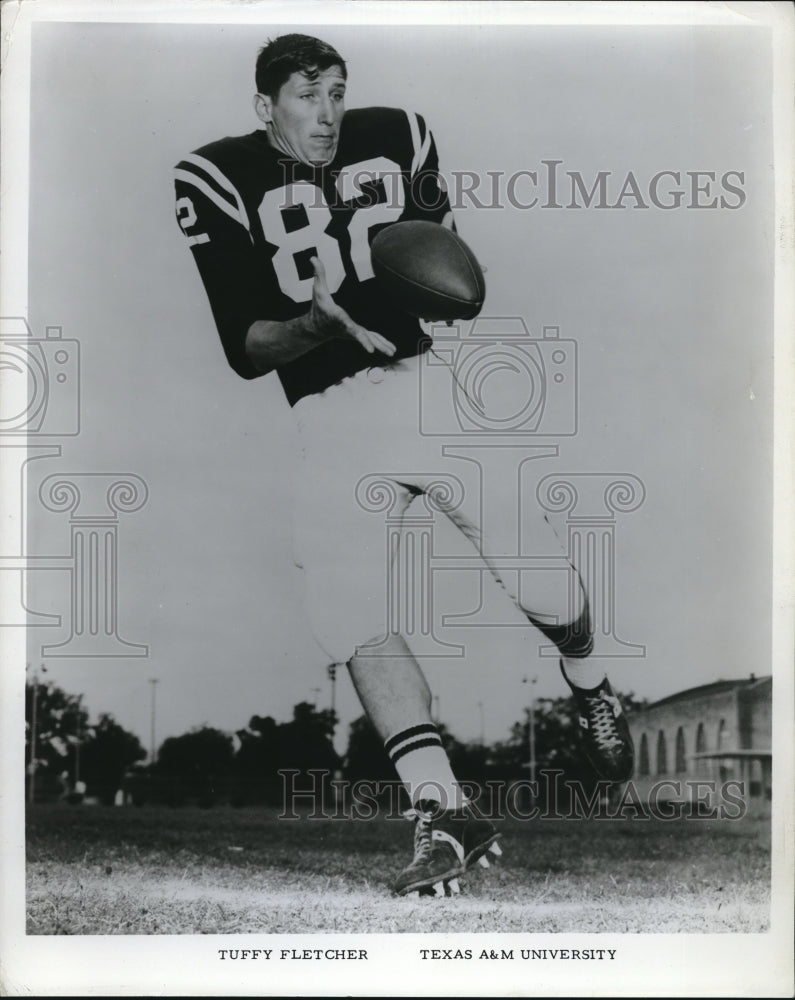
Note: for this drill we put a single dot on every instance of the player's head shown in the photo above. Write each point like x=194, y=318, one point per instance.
x=289, y=54
x=301, y=96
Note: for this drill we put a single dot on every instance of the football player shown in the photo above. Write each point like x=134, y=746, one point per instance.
x=280, y=222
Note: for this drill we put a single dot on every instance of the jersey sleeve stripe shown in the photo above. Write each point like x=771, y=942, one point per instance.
x=203, y=175
x=201, y=185
x=416, y=142
x=212, y=170
x=198, y=170
x=422, y=153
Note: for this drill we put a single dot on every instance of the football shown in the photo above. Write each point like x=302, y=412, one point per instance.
x=428, y=270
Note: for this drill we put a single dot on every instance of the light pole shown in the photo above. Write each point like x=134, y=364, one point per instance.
x=531, y=728
x=482, y=725
x=33, y=734
x=32, y=784
x=154, y=682
x=332, y=676
x=78, y=735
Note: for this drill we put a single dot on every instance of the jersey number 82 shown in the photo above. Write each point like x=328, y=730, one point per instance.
x=313, y=235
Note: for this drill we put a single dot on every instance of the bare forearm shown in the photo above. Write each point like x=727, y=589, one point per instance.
x=270, y=343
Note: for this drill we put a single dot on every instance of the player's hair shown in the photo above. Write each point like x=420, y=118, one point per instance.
x=289, y=54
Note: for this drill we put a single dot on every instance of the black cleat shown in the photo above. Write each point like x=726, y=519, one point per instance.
x=445, y=845
x=436, y=863
x=479, y=838
x=604, y=732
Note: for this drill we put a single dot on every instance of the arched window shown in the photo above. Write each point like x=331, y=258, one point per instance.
x=702, y=766
x=662, y=756
x=726, y=766
x=644, y=755
x=681, y=756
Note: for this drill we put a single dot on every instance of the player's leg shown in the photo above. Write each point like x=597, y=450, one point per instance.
x=395, y=695
x=448, y=834
x=343, y=551
x=342, y=544
x=397, y=700
x=601, y=723
x=554, y=600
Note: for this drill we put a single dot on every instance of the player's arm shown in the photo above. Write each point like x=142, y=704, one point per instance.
x=236, y=284
x=218, y=236
x=270, y=343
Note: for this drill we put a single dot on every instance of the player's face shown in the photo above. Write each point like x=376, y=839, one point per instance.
x=304, y=119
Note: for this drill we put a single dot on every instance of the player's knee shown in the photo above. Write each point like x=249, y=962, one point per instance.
x=386, y=644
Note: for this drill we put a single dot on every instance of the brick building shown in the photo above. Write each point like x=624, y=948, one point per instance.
x=720, y=731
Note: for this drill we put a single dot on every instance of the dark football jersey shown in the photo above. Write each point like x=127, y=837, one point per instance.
x=254, y=218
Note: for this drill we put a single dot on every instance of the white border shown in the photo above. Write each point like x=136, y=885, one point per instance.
x=649, y=965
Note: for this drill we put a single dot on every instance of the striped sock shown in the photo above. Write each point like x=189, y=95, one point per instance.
x=423, y=767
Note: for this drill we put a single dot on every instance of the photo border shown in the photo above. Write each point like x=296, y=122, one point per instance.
x=720, y=964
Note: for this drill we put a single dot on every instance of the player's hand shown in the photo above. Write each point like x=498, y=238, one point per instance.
x=327, y=318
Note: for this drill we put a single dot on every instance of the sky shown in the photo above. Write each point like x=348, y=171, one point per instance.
x=671, y=312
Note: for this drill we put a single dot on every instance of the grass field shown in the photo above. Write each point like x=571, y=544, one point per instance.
x=93, y=870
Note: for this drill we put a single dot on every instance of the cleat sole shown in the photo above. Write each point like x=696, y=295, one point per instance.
x=448, y=887
x=429, y=886
x=479, y=854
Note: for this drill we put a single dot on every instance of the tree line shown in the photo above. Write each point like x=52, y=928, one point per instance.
x=208, y=767
x=65, y=754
